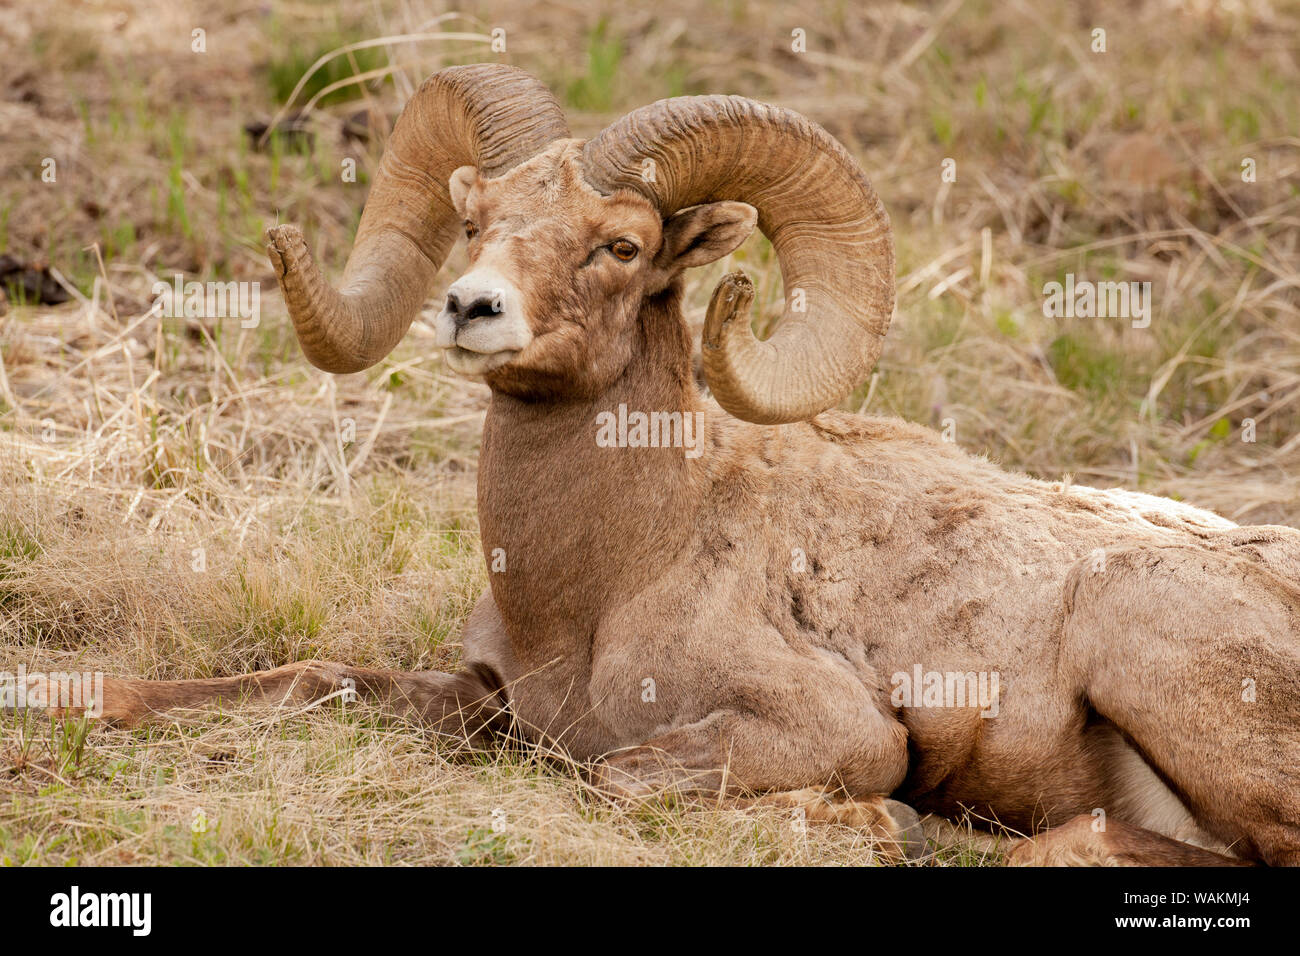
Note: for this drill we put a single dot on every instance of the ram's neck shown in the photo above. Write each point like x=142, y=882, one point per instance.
x=574, y=512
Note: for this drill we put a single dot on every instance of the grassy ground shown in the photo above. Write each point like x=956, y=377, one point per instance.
x=176, y=496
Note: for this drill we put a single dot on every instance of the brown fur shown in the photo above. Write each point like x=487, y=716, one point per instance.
x=1080, y=843
x=1122, y=626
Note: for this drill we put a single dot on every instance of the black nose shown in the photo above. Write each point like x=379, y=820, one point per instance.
x=464, y=314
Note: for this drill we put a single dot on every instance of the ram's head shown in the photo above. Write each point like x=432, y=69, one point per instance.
x=567, y=239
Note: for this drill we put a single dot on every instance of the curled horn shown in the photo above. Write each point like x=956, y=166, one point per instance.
x=829, y=229
x=487, y=115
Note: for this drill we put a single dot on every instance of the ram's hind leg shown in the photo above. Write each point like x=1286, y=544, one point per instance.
x=466, y=704
x=894, y=826
x=1077, y=843
x=1194, y=655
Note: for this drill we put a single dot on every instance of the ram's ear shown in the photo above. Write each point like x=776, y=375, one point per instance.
x=699, y=235
x=459, y=185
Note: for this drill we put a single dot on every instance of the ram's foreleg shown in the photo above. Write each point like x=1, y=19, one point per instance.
x=678, y=766
x=467, y=704
x=800, y=734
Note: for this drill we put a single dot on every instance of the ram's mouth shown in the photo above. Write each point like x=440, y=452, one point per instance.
x=464, y=361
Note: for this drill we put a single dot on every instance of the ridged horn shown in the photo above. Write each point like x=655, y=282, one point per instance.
x=486, y=115
x=830, y=232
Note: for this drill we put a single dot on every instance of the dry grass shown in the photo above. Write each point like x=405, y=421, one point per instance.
x=128, y=441
x=339, y=788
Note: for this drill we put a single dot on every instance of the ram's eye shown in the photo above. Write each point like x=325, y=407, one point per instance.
x=471, y=230
x=623, y=250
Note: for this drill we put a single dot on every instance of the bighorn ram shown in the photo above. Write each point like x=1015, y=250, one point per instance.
x=743, y=620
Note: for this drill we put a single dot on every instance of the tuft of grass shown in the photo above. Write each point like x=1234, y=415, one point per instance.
x=292, y=59
x=1082, y=364
x=594, y=90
